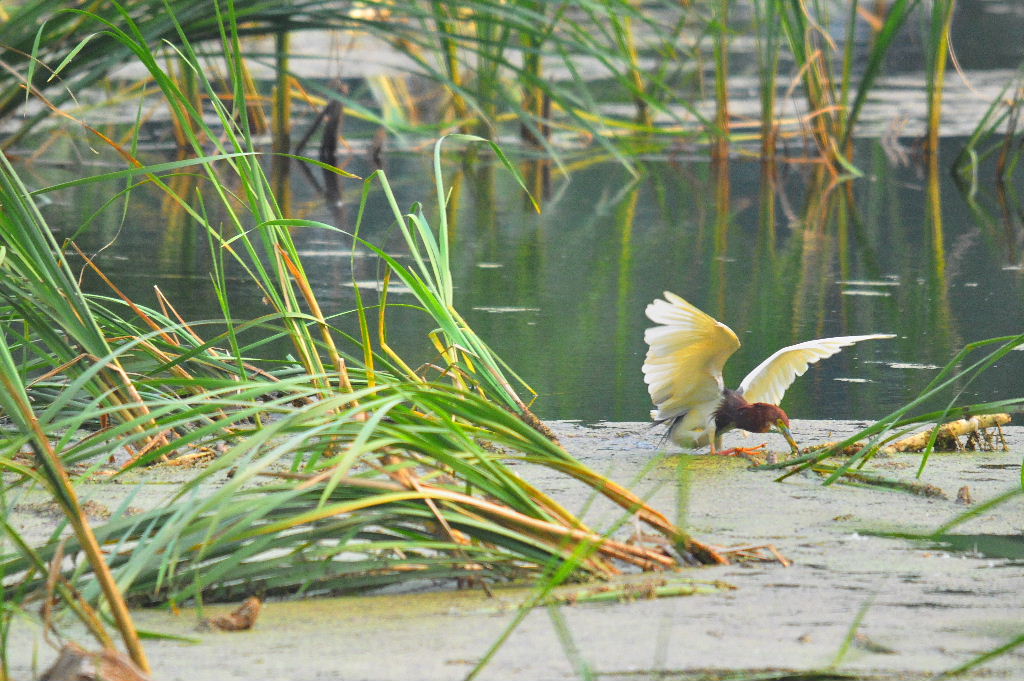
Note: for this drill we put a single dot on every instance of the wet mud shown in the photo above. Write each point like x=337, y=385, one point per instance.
x=924, y=607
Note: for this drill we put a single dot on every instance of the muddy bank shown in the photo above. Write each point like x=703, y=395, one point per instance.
x=927, y=608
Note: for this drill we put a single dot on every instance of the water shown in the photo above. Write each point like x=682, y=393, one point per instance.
x=1010, y=546
x=561, y=295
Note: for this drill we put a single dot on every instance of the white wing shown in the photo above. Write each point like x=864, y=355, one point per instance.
x=683, y=368
x=769, y=381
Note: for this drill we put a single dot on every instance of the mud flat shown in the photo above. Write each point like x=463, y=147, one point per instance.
x=926, y=608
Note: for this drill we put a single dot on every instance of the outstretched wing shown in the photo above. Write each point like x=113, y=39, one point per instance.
x=769, y=381
x=683, y=368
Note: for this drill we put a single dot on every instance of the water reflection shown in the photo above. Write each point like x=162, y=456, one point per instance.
x=1009, y=546
x=561, y=295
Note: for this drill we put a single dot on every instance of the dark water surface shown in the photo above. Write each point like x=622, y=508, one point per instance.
x=561, y=295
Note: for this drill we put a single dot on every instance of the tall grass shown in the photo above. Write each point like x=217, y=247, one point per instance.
x=721, y=53
x=834, y=100
x=551, y=68
x=488, y=55
x=996, y=136
x=766, y=29
x=937, y=55
x=40, y=293
x=372, y=475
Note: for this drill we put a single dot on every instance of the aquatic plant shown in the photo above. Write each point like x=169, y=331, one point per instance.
x=39, y=293
x=345, y=465
x=339, y=468
x=487, y=55
x=553, y=69
x=996, y=137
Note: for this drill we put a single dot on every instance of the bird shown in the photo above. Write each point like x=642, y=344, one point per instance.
x=683, y=372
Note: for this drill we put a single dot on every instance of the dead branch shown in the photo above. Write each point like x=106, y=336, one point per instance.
x=948, y=438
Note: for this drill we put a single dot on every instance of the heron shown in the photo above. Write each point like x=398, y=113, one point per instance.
x=683, y=372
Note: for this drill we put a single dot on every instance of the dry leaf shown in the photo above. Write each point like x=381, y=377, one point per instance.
x=75, y=663
x=240, y=619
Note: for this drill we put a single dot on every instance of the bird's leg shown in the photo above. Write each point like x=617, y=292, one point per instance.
x=714, y=437
x=716, y=444
x=741, y=451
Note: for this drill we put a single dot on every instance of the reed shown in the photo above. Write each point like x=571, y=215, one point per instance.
x=37, y=280
x=721, y=50
x=376, y=475
x=482, y=53
x=766, y=30
x=282, y=116
x=937, y=52
x=379, y=471
x=498, y=62
x=831, y=112
x=893, y=20
x=996, y=136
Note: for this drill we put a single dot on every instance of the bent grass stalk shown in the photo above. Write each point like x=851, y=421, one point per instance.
x=17, y=405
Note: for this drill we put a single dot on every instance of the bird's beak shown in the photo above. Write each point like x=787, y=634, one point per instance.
x=784, y=429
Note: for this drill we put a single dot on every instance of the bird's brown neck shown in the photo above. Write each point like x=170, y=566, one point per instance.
x=736, y=412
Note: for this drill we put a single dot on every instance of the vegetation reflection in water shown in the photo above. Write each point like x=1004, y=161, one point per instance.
x=563, y=292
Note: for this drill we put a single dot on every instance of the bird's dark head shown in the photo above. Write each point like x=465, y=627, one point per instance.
x=762, y=417
x=757, y=417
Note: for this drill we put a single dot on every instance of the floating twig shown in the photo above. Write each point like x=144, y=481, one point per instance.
x=756, y=552
x=661, y=587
